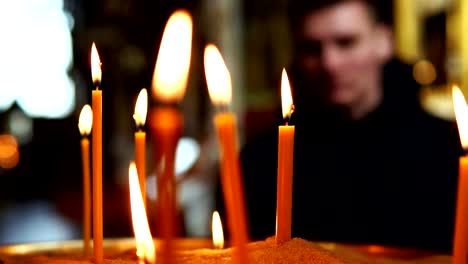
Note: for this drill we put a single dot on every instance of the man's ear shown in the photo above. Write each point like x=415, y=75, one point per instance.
x=384, y=43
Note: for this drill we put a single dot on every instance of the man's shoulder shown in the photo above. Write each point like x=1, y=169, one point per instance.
x=433, y=131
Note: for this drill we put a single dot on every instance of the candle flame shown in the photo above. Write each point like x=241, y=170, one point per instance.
x=144, y=241
x=217, y=76
x=85, y=122
x=173, y=63
x=217, y=231
x=141, y=108
x=461, y=115
x=96, y=72
x=286, y=97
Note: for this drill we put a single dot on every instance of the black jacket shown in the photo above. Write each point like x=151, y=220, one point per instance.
x=389, y=178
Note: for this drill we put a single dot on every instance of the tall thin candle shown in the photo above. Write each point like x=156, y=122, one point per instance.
x=166, y=122
x=460, y=243
x=85, y=124
x=141, y=108
x=285, y=166
x=219, y=86
x=97, y=157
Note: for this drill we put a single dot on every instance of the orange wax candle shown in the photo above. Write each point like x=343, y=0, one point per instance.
x=140, y=160
x=97, y=175
x=460, y=249
x=85, y=124
x=231, y=180
x=166, y=128
x=460, y=244
x=285, y=167
x=97, y=158
x=219, y=86
x=285, y=183
x=86, y=196
x=141, y=108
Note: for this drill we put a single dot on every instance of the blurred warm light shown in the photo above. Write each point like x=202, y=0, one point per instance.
x=96, y=72
x=424, y=72
x=217, y=76
x=286, y=97
x=144, y=241
x=434, y=6
x=141, y=108
x=85, y=123
x=36, y=55
x=173, y=62
x=461, y=114
x=375, y=249
x=9, y=152
x=217, y=231
x=437, y=100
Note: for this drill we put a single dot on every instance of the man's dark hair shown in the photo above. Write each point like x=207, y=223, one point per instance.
x=297, y=9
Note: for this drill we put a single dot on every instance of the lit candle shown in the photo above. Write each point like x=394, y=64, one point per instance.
x=97, y=157
x=285, y=166
x=217, y=231
x=460, y=244
x=85, y=124
x=141, y=108
x=166, y=122
x=219, y=86
x=145, y=249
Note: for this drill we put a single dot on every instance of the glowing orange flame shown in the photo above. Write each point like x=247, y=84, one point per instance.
x=144, y=241
x=96, y=72
x=141, y=108
x=286, y=97
x=217, y=76
x=173, y=63
x=461, y=114
x=9, y=153
x=85, y=123
x=217, y=231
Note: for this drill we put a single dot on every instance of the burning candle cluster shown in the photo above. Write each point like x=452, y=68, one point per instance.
x=166, y=125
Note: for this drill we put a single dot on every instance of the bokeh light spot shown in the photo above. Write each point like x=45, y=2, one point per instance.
x=424, y=72
x=9, y=153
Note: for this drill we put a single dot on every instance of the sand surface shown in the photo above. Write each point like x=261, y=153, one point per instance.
x=262, y=252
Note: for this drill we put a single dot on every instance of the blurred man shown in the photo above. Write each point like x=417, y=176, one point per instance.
x=340, y=49
x=370, y=166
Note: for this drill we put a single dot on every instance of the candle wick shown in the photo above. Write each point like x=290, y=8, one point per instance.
x=288, y=117
x=97, y=84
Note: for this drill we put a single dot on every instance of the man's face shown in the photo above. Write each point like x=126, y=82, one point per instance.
x=339, y=53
